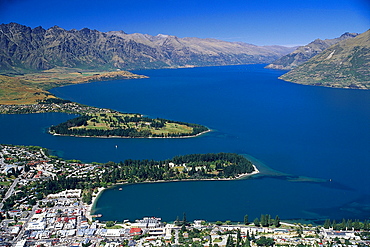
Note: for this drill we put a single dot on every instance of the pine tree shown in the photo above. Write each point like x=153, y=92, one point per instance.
x=177, y=221
x=247, y=243
x=238, y=238
x=246, y=222
x=343, y=226
x=327, y=224
x=229, y=241
x=263, y=220
x=366, y=225
x=256, y=222
x=335, y=226
x=269, y=220
x=349, y=224
x=277, y=221
x=356, y=225
x=184, y=222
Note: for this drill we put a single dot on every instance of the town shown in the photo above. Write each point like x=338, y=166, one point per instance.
x=52, y=105
x=34, y=213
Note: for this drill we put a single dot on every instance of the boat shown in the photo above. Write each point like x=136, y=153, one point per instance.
x=97, y=215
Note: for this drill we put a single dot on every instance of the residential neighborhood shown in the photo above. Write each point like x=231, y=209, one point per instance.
x=32, y=216
x=52, y=105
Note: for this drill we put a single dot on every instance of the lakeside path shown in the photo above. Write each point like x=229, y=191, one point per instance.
x=91, y=207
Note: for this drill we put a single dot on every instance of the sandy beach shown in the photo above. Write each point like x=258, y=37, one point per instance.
x=256, y=171
x=93, y=201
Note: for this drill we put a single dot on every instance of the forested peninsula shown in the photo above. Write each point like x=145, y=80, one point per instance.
x=185, y=167
x=52, y=174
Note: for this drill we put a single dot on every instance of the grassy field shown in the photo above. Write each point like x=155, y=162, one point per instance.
x=15, y=91
x=31, y=88
x=111, y=121
x=171, y=128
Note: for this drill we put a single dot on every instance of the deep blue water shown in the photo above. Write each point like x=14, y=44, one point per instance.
x=315, y=132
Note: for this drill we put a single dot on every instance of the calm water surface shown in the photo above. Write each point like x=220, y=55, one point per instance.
x=319, y=133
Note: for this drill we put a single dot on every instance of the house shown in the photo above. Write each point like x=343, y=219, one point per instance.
x=15, y=230
x=135, y=231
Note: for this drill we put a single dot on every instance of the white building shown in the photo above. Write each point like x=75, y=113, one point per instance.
x=67, y=194
x=34, y=226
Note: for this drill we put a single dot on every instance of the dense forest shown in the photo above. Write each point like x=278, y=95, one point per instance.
x=194, y=166
x=125, y=125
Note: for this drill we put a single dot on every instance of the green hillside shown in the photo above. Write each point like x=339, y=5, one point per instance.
x=343, y=65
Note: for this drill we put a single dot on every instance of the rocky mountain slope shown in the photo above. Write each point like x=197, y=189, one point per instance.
x=345, y=64
x=303, y=53
x=23, y=49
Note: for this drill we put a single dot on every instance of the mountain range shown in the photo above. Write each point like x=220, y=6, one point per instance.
x=340, y=62
x=23, y=49
x=303, y=53
x=345, y=64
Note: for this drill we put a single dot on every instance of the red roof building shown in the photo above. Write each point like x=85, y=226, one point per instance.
x=135, y=231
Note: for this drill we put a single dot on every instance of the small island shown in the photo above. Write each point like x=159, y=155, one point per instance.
x=116, y=124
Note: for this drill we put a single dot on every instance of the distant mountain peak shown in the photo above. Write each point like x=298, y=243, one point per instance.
x=116, y=32
x=348, y=34
x=56, y=27
x=162, y=35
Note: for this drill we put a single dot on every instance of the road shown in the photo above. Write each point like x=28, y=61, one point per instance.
x=23, y=229
x=9, y=192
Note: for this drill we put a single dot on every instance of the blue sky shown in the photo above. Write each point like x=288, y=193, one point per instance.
x=260, y=22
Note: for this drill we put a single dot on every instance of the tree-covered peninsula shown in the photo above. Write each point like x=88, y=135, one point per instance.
x=192, y=166
x=116, y=124
x=50, y=174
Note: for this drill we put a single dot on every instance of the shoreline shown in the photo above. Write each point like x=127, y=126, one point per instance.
x=93, y=202
x=127, y=137
x=101, y=189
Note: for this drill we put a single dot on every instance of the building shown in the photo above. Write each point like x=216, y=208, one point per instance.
x=135, y=232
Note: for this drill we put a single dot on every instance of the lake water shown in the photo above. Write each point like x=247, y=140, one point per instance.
x=291, y=130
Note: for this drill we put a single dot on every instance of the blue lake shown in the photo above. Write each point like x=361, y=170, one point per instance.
x=292, y=130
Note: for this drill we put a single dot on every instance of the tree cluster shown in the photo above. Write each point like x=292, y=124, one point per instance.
x=348, y=224
x=54, y=101
x=265, y=220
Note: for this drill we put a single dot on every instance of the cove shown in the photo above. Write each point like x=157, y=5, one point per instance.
x=306, y=131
